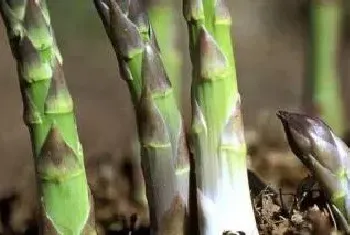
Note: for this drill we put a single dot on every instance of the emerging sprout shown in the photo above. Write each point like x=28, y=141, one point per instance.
x=326, y=156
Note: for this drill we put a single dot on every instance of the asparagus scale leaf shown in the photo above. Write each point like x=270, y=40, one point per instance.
x=163, y=20
x=324, y=154
x=217, y=129
x=165, y=158
x=64, y=195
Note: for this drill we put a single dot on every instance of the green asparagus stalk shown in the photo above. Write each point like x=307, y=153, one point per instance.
x=164, y=156
x=323, y=85
x=325, y=155
x=217, y=129
x=64, y=195
x=163, y=21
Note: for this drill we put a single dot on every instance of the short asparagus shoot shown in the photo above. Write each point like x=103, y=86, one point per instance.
x=325, y=155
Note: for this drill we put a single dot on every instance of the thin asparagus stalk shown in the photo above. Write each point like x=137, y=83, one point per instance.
x=164, y=156
x=64, y=195
x=325, y=155
x=217, y=128
x=323, y=84
x=163, y=21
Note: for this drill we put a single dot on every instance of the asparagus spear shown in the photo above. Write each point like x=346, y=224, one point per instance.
x=163, y=20
x=326, y=156
x=217, y=128
x=64, y=195
x=164, y=156
x=323, y=84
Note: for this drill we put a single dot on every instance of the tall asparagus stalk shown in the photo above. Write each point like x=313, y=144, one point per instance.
x=217, y=128
x=163, y=20
x=164, y=156
x=48, y=112
x=325, y=155
x=322, y=86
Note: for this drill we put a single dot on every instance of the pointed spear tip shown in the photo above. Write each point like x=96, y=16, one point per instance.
x=303, y=121
x=309, y=135
x=295, y=126
x=288, y=117
x=297, y=121
x=281, y=114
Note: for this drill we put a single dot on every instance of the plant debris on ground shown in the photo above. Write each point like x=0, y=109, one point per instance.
x=306, y=213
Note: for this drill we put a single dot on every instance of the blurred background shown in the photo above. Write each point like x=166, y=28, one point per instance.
x=270, y=39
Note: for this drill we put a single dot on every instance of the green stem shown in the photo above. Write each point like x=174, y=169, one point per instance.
x=217, y=128
x=48, y=112
x=165, y=160
x=325, y=87
x=163, y=21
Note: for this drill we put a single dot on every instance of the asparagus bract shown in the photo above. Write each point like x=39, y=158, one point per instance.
x=324, y=154
x=217, y=128
x=164, y=156
x=65, y=198
x=163, y=21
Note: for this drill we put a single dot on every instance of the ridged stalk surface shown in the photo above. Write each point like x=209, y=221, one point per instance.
x=217, y=129
x=164, y=156
x=48, y=112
